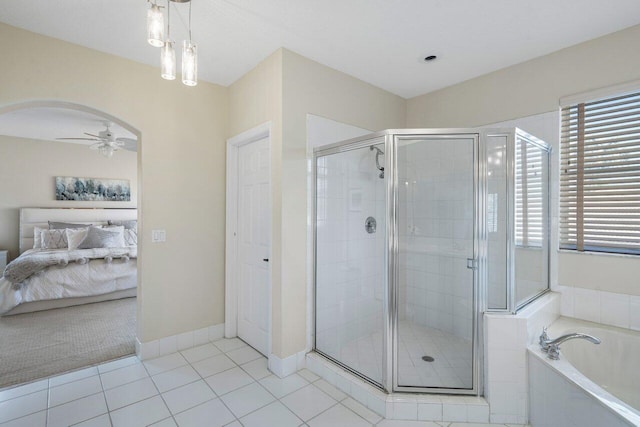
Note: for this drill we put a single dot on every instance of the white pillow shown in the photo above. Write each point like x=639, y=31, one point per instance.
x=54, y=239
x=75, y=236
x=110, y=237
x=37, y=239
x=130, y=237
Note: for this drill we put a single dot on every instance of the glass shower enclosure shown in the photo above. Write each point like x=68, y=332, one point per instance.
x=417, y=233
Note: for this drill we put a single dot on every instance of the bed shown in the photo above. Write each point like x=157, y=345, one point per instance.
x=63, y=277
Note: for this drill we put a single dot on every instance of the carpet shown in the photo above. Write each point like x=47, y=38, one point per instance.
x=44, y=343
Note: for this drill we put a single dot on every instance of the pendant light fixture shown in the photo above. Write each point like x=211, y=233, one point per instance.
x=155, y=37
x=168, y=53
x=189, y=59
x=155, y=25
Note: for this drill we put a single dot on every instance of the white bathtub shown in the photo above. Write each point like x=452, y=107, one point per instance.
x=591, y=385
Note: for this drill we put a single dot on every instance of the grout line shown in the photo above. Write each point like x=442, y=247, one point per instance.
x=322, y=412
x=28, y=394
x=47, y=409
x=73, y=400
x=159, y=394
x=105, y=400
x=212, y=390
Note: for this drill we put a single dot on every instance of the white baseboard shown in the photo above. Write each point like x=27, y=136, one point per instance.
x=183, y=341
x=287, y=366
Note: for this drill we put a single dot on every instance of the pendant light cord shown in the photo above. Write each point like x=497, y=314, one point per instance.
x=168, y=19
x=190, y=22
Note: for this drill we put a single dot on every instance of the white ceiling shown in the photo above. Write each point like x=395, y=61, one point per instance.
x=46, y=123
x=379, y=41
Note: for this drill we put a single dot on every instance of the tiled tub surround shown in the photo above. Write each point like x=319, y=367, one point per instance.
x=603, y=307
x=600, y=382
x=506, y=340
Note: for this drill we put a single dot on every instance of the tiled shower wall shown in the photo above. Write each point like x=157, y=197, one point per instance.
x=350, y=262
x=435, y=222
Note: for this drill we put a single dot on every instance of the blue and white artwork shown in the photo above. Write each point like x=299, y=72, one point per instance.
x=92, y=189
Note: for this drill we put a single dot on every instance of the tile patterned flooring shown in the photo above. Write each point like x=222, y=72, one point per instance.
x=223, y=383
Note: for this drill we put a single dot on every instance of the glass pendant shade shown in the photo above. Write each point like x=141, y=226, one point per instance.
x=189, y=63
x=168, y=61
x=155, y=26
x=106, y=151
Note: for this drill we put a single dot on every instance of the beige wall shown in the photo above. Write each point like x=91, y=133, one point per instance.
x=181, y=166
x=532, y=88
x=312, y=88
x=28, y=175
x=283, y=89
x=254, y=99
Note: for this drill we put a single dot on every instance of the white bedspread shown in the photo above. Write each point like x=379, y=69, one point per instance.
x=96, y=277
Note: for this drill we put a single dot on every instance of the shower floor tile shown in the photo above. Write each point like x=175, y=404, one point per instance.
x=451, y=366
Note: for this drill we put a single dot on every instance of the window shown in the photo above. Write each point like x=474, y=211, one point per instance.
x=531, y=193
x=600, y=175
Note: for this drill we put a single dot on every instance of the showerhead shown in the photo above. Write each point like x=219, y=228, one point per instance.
x=379, y=152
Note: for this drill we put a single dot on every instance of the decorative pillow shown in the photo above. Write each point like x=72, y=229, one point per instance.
x=75, y=236
x=112, y=237
x=128, y=225
x=53, y=239
x=62, y=225
x=37, y=239
x=130, y=237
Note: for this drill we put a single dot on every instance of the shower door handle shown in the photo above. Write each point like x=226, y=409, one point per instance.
x=472, y=263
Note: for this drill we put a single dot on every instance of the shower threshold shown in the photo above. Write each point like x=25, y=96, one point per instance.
x=397, y=405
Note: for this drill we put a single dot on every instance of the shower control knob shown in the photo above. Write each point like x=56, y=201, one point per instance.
x=370, y=225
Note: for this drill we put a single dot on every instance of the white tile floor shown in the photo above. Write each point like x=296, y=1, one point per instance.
x=224, y=383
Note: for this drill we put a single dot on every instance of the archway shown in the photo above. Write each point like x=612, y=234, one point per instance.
x=134, y=160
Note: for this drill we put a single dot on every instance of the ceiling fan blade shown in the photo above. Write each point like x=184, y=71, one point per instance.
x=129, y=144
x=90, y=134
x=78, y=139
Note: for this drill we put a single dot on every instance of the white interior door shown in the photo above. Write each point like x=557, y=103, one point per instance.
x=254, y=244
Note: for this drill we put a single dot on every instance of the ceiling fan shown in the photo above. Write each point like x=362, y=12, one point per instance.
x=107, y=143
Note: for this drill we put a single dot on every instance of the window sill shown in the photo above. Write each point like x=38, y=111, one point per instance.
x=605, y=254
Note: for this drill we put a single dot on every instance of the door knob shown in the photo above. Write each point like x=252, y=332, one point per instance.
x=265, y=259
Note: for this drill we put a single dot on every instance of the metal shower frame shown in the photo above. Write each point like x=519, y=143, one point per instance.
x=390, y=140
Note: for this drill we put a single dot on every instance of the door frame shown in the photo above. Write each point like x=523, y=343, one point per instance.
x=478, y=144
x=231, y=245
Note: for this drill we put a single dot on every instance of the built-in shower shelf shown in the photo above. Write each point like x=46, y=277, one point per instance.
x=400, y=406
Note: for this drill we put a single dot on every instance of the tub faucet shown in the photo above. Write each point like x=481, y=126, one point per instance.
x=552, y=347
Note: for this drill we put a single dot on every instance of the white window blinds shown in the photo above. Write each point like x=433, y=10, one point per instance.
x=600, y=175
x=530, y=194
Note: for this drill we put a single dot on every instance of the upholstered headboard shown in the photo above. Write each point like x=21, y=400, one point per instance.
x=39, y=217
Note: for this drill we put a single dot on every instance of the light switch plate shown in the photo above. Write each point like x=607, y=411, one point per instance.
x=158, y=236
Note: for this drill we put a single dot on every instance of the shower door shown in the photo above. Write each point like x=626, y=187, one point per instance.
x=435, y=262
x=350, y=237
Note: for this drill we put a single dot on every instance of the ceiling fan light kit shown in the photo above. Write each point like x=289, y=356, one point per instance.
x=155, y=37
x=106, y=151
